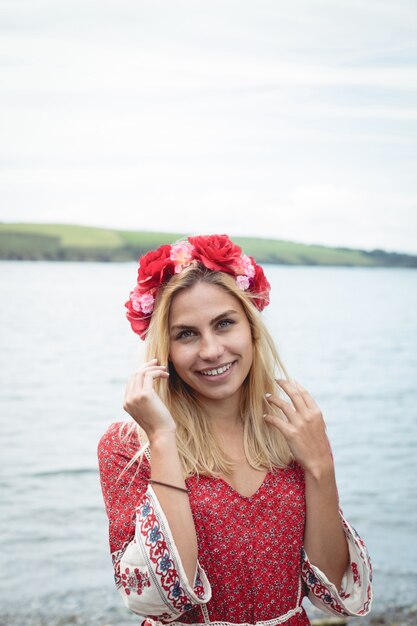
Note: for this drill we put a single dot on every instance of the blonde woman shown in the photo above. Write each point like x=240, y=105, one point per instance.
x=221, y=491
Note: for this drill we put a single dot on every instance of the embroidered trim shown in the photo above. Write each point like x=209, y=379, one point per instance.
x=365, y=558
x=271, y=622
x=317, y=586
x=363, y=552
x=205, y=613
x=158, y=553
x=116, y=557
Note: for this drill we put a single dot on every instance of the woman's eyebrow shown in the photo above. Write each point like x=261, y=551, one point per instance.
x=213, y=321
x=224, y=314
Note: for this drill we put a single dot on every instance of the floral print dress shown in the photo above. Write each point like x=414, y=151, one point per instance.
x=252, y=567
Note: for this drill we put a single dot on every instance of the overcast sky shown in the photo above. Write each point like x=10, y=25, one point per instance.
x=294, y=119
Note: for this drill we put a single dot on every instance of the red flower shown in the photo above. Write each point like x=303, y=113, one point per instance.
x=155, y=268
x=216, y=252
x=138, y=321
x=260, y=287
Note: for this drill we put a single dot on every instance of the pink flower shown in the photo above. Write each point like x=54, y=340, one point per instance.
x=242, y=282
x=146, y=302
x=247, y=266
x=142, y=302
x=135, y=299
x=181, y=254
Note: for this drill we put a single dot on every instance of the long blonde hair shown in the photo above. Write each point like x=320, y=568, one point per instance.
x=199, y=450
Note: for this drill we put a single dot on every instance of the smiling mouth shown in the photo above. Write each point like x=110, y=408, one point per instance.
x=218, y=370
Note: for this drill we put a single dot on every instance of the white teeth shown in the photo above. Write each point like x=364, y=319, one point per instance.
x=218, y=371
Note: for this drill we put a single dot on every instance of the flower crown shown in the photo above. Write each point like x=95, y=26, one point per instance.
x=215, y=252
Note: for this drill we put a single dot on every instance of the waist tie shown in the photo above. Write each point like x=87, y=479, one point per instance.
x=281, y=619
x=275, y=621
x=270, y=622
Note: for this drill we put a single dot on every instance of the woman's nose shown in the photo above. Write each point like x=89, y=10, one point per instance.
x=211, y=348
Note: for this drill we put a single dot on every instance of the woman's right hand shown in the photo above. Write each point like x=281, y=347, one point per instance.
x=143, y=403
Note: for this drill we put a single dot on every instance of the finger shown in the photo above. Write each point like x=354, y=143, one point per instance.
x=150, y=368
x=138, y=376
x=288, y=410
x=278, y=423
x=310, y=402
x=293, y=393
x=148, y=363
x=135, y=381
x=150, y=377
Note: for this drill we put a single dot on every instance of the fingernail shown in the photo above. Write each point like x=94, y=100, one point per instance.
x=268, y=395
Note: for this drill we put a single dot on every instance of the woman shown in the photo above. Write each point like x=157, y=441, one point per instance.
x=221, y=493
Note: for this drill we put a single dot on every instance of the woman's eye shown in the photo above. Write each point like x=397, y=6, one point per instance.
x=225, y=323
x=184, y=334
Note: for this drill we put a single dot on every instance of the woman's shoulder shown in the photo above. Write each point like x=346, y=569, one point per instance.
x=121, y=437
x=112, y=433
x=120, y=449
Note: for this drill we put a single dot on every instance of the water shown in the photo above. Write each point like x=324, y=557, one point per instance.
x=347, y=334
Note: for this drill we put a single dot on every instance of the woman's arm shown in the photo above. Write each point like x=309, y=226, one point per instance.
x=166, y=467
x=148, y=570
x=304, y=429
x=147, y=409
x=324, y=537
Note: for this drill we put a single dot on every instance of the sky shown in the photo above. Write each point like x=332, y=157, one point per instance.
x=270, y=118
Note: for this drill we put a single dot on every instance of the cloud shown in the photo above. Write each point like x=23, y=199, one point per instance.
x=288, y=119
x=339, y=216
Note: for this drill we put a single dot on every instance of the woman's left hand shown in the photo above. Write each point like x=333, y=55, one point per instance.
x=304, y=428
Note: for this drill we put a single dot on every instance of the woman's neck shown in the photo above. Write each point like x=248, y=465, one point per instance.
x=224, y=415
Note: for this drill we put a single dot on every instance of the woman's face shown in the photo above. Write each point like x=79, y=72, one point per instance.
x=210, y=341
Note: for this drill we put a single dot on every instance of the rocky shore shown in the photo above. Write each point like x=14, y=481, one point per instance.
x=391, y=616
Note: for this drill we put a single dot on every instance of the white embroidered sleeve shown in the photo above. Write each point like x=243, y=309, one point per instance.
x=152, y=580
x=355, y=595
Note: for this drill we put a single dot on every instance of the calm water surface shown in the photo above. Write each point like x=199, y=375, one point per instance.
x=347, y=334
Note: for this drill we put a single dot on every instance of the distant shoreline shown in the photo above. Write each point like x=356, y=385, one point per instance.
x=71, y=242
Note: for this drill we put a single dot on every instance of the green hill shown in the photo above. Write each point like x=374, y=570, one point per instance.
x=69, y=242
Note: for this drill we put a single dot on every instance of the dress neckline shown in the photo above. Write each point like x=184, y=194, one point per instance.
x=251, y=497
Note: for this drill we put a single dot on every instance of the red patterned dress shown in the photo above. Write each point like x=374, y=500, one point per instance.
x=252, y=566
